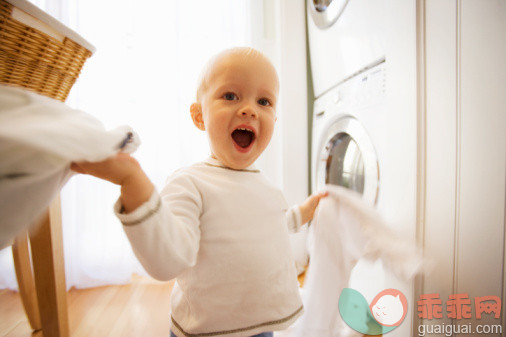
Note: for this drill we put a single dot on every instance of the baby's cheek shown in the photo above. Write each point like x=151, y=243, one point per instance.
x=268, y=132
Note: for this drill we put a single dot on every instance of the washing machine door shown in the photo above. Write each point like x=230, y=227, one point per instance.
x=347, y=158
x=325, y=12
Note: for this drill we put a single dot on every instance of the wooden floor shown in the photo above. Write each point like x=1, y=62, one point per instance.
x=137, y=309
x=140, y=308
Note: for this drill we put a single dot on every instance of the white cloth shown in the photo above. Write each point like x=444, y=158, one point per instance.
x=224, y=234
x=39, y=138
x=346, y=229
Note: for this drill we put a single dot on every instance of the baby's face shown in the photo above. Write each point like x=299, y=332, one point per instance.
x=238, y=109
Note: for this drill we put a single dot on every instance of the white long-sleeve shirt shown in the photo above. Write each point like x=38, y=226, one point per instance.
x=224, y=234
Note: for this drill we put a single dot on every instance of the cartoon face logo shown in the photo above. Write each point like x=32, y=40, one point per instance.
x=385, y=313
x=389, y=307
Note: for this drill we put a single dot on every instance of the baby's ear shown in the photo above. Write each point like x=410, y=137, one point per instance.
x=196, y=113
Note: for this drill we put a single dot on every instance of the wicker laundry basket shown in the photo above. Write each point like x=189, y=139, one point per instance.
x=37, y=52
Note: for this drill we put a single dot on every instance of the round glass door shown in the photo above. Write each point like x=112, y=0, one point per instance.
x=345, y=165
x=347, y=158
x=326, y=12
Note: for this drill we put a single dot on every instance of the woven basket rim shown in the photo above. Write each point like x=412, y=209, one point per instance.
x=36, y=56
x=36, y=12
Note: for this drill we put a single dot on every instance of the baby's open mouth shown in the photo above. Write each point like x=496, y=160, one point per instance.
x=243, y=137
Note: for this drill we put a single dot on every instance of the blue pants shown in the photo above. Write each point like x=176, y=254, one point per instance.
x=263, y=334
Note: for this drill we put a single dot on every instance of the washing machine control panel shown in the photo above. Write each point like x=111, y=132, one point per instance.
x=360, y=91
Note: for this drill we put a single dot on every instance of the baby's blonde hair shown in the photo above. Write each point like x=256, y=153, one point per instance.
x=245, y=52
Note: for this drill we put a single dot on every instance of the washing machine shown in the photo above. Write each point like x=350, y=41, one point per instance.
x=363, y=137
x=345, y=38
x=349, y=135
x=349, y=142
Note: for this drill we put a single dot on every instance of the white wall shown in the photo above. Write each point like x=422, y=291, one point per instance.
x=398, y=179
x=294, y=100
x=465, y=150
x=283, y=40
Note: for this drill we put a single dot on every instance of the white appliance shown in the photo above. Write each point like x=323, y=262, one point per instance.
x=349, y=134
x=364, y=133
x=345, y=37
x=347, y=49
x=348, y=145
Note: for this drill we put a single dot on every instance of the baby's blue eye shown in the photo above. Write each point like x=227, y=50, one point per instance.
x=230, y=96
x=264, y=102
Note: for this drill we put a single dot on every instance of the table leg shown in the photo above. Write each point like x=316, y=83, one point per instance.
x=49, y=274
x=26, y=283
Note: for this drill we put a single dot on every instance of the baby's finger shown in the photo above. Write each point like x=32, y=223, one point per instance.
x=324, y=194
x=321, y=195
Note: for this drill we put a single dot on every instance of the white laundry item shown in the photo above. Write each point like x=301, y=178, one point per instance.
x=39, y=138
x=346, y=229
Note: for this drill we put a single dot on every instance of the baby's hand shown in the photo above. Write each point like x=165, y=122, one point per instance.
x=121, y=169
x=116, y=169
x=308, y=207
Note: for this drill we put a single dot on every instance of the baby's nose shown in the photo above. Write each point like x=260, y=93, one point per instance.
x=248, y=111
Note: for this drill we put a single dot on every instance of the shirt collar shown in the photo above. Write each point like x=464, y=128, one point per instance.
x=216, y=163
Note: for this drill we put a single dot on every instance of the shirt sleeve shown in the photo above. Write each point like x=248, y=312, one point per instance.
x=165, y=231
x=294, y=219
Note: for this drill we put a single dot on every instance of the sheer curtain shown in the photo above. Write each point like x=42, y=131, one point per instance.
x=144, y=73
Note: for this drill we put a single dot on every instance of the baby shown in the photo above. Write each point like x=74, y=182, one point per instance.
x=218, y=226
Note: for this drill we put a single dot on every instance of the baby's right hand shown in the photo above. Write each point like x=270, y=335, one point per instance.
x=116, y=169
x=121, y=169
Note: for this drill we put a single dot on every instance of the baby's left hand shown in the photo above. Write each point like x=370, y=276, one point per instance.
x=308, y=207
